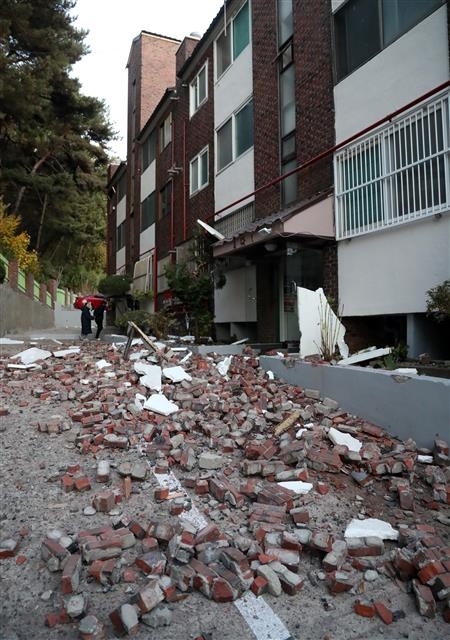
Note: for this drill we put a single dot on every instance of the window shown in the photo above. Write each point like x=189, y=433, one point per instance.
x=149, y=150
x=199, y=171
x=364, y=27
x=285, y=20
x=120, y=236
x=165, y=132
x=233, y=40
x=244, y=129
x=121, y=188
x=287, y=123
x=396, y=175
x=165, y=200
x=240, y=125
x=199, y=89
x=148, y=211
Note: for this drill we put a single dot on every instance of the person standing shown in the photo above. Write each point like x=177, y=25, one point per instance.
x=98, y=317
x=86, y=318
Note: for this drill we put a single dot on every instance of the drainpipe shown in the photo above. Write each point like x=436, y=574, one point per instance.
x=172, y=194
x=155, y=279
x=332, y=150
x=184, y=183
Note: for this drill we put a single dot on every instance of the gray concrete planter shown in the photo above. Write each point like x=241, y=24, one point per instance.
x=413, y=406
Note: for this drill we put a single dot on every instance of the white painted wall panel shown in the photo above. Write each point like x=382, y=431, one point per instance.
x=233, y=87
x=234, y=182
x=236, y=301
x=148, y=180
x=409, y=67
x=147, y=240
x=121, y=211
x=390, y=272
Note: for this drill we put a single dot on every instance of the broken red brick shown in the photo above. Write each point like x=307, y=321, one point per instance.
x=384, y=613
x=364, y=608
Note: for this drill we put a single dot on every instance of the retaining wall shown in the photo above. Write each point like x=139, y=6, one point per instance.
x=18, y=312
x=414, y=406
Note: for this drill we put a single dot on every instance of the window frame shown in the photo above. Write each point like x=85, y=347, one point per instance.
x=165, y=200
x=229, y=34
x=194, y=103
x=201, y=184
x=120, y=236
x=232, y=119
x=165, y=132
x=339, y=57
x=151, y=198
x=149, y=148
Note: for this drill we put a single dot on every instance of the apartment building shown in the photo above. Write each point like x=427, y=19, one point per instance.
x=242, y=137
x=392, y=182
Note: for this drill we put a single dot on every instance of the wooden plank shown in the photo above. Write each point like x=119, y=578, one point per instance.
x=130, y=334
x=286, y=424
x=147, y=340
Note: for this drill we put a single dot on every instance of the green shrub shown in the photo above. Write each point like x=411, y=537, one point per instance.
x=2, y=273
x=438, y=301
x=117, y=285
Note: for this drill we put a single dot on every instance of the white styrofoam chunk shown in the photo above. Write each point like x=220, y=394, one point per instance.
x=425, y=459
x=102, y=364
x=371, y=527
x=407, y=371
x=150, y=375
x=176, y=374
x=367, y=354
x=270, y=375
x=337, y=437
x=296, y=485
x=300, y=432
x=139, y=354
x=318, y=322
x=10, y=341
x=186, y=357
x=24, y=366
x=139, y=400
x=32, y=355
x=66, y=352
x=158, y=403
x=224, y=365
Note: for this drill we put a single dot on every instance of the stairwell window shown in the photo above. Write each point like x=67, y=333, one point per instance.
x=233, y=40
x=149, y=150
x=165, y=200
x=199, y=89
x=165, y=132
x=199, y=171
x=120, y=236
x=235, y=136
x=148, y=210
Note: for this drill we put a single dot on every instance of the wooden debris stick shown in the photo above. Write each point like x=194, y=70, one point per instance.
x=130, y=334
x=284, y=426
x=134, y=328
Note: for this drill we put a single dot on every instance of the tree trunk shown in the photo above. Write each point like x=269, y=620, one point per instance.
x=41, y=222
x=22, y=189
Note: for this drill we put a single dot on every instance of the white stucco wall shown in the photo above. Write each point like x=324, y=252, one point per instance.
x=231, y=91
x=121, y=211
x=236, y=301
x=148, y=180
x=390, y=271
x=147, y=240
x=412, y=65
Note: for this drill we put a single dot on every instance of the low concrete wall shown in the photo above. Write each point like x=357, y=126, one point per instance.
x=415, y=407
x=20, y=313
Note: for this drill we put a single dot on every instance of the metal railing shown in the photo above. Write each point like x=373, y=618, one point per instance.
x=236, y=221
x=396, y=175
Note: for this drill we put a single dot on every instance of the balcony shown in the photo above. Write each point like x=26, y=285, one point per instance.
x=397, y=175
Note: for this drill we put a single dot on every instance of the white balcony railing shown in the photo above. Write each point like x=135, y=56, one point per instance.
x=396, y=175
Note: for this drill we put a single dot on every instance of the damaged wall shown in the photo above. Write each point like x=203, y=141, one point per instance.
x=415, y=407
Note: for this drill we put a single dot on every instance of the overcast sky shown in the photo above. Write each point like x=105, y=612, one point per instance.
x=112, y=25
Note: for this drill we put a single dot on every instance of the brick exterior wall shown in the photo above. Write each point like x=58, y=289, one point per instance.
x=314, y=93
x=265, y=106
x=268, y=325
x=151, y=69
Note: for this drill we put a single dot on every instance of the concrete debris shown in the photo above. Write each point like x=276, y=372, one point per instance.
x=228, y=483
x=371, y=353
x=32, y=355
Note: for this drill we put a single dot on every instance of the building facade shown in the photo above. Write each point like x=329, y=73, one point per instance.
x=265, y=132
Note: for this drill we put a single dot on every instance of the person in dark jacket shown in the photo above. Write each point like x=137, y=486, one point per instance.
x=99, y=312
x=86, y=319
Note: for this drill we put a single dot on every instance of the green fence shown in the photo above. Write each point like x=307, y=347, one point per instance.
x=63, y=296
